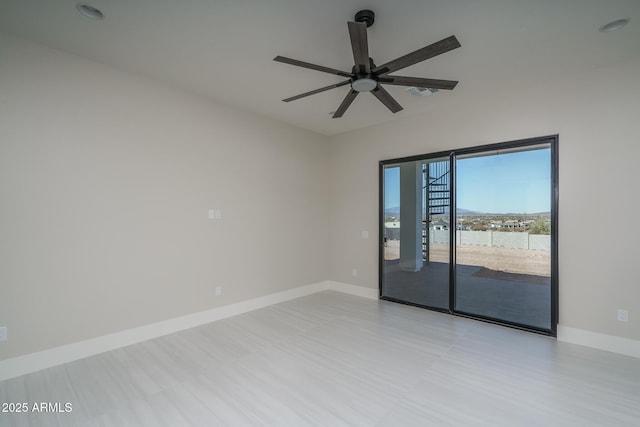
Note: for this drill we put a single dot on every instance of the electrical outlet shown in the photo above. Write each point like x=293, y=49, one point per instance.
x=623, y=315
x=3, y=333
x=354, y=272
x=218, y=291
x=365, y=234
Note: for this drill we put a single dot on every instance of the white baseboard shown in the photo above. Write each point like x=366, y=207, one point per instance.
x=600, y=341
x=21, y=365
x=33, y=362
x=360, y=291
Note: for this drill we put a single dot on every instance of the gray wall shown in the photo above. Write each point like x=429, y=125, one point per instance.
x=106, y=180
x=599, y=151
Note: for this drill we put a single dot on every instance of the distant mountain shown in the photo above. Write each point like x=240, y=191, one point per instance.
x=463, y=212
x=395, y=211
x=468, y=212
x=392, y=211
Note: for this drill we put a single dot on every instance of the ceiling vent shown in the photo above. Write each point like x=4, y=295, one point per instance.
x=422, y=91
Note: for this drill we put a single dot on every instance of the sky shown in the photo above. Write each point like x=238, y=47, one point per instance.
x=517, y=182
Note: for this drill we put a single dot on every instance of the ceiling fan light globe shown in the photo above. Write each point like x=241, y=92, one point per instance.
x=364, y=85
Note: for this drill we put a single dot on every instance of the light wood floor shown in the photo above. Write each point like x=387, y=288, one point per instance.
x=331, y=359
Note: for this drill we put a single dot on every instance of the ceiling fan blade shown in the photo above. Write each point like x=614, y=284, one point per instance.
x=435, y=49
x=313, y=92
x=388, y=100
x=360, y=46
x=312, y=66
x=345, y=104
x=418, y=82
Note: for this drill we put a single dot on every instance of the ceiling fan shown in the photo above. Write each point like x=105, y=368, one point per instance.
x=366, y=76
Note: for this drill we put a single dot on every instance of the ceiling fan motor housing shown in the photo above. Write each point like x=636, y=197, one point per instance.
x=367, y=16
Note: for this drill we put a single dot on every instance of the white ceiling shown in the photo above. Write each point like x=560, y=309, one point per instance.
x=224, y=49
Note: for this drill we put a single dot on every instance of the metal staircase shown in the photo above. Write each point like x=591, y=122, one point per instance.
x=436, y=193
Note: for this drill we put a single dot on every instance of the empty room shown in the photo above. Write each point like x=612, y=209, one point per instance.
x=206, y=220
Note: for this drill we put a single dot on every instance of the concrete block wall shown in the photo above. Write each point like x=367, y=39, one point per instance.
x=516, y=240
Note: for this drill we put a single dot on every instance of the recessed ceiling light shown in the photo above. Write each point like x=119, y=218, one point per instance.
x=614, y=25
x=89, y=11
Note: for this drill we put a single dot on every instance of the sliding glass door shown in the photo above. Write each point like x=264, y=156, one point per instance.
x=503, y=237
x=415, y=230
x=473, y=232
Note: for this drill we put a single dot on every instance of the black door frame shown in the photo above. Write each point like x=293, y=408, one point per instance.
x=552, y=140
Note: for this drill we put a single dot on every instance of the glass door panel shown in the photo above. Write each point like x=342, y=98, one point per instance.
x=416, y=203
x=503, y=236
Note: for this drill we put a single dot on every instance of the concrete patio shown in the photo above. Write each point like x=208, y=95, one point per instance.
x=517, y=298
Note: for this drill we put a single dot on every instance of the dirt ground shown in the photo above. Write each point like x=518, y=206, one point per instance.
x=511, y=260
